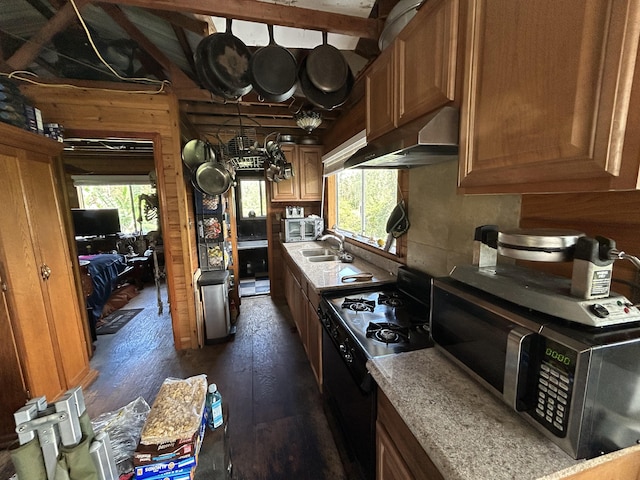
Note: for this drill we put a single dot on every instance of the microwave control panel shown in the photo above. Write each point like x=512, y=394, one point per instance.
x=554, y=387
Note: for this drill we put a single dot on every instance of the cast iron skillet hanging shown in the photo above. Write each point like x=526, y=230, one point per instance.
x=225, y=63
x=324, y=100
x=273, y=71
x=201, y=70
x=326, y=67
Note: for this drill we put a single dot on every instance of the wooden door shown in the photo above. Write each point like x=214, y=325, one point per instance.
x=310, y=173
x=546, y=93
x=380, y=96
x=287, y=190
x=13, y=394
x=66, y=322
x=28, y=313
x=389, y=462
x=426, y=60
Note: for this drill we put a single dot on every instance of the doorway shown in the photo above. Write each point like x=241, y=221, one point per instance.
x=251, y=225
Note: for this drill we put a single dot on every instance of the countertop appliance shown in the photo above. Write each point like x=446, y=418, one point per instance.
x=293, y=212
x=577, y=384
x=563, y=353
x=585, y=298
x=361, y=324
x=305, y=229
x=214, y=295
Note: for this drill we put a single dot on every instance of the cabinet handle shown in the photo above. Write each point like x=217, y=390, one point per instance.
x=45, y=271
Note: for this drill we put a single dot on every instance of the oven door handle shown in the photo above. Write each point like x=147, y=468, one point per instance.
x=513, y=365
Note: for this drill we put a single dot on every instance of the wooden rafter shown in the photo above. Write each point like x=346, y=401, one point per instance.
x=183, y=21
x=184, y=45
x=263, y=12
x=26, y=54
x=177, y=75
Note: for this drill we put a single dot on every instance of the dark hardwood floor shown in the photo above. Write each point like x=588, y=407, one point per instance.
x=276, y=423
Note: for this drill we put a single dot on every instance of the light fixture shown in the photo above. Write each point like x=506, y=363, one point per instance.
x=308, y=119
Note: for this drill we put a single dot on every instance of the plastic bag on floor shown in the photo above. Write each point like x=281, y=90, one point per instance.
x=124, y=427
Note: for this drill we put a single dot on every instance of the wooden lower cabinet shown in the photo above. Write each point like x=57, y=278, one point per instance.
x=303, y=303
x=44, y=332
x=399, y=456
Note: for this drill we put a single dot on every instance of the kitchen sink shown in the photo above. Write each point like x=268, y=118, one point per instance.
x=323, y=258
x=315, y=252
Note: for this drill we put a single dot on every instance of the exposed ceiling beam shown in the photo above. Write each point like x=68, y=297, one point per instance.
x=177, y=75
x=26, y=54
x=263, y=12
x=257, y=111
x=184, y=45
x=45, y=11
x=233, y=122
x=183, y=21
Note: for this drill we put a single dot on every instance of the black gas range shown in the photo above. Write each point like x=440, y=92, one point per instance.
x=359, y=325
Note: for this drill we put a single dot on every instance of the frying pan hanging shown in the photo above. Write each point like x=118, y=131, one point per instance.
x=324, y=100
x=225, y=63
x=327, y=67
x=273, y=71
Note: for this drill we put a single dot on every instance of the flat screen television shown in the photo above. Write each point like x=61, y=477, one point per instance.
x=94, y=222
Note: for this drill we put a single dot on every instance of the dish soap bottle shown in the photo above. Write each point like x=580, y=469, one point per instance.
x=214, y=403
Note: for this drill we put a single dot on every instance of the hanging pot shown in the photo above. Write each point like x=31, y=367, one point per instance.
x=201, y=70
x=212, y=178
x=273, y=71
x=324, y=100
x=224, y=62
x=326, y=67
x=196, y=152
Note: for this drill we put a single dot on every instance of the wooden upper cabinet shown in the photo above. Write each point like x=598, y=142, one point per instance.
x=547, y=93
x=417, y=73
x=426, y=58
x=380, y=96
x=306, y=183
x=287, y=190
x=310, y=173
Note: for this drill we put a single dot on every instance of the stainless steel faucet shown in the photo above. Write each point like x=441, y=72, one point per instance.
x=337, y=237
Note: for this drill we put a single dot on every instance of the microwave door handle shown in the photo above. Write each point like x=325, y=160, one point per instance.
x=512, y=365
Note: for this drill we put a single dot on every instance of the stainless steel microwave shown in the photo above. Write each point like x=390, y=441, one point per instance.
x=578, y=385
x=301, y=229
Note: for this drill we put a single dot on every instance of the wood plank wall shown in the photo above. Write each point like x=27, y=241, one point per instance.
x=614, y=215
x=106, y=112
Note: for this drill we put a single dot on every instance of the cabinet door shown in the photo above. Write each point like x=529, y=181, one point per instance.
x=66, y=322
x=13, y=394
x=380, y=96
x=310, y=173
x=426, y=60
x=546, y=93
x=24, y=294
x=314, y=338
x=287, y=190
x=390, y=465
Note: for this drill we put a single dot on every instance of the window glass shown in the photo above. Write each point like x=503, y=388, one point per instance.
x=253, y=198
x=126, y=198
x=365, y=198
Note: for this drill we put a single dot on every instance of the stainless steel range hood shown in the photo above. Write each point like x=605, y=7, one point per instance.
x=432, y=140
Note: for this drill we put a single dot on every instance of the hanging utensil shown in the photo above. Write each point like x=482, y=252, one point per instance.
x=324, y=100
x=196, y=152
x=224, y=62
x=327, y=67
x=273, y=71
x=397, y=224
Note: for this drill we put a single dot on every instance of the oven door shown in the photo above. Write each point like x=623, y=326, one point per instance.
x=353, y=408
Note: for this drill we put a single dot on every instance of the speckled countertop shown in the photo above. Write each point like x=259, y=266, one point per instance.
x=468, y=433
x=327, y=275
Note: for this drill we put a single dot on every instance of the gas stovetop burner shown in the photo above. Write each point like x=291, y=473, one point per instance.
x=388, y=333
x=359, y=304
x=391, y=300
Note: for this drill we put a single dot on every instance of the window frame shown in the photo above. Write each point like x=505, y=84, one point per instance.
x=331, y=216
